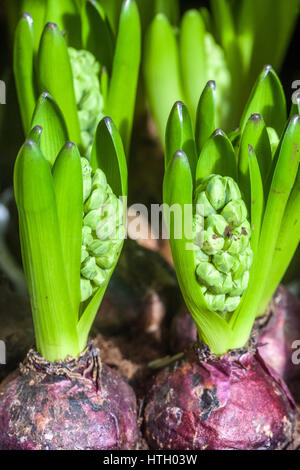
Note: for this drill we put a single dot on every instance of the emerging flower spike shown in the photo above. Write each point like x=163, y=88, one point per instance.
x=221, y=242
x=90, y=102
x=103, y=230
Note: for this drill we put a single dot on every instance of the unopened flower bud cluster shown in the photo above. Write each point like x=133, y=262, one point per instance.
x=222, y=248
x=103, y=230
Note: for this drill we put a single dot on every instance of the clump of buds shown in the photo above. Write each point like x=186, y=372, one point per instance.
x=103, y=230
x=222, y=242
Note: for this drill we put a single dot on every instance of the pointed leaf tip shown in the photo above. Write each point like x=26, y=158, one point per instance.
x=26, y=16
x=211, y=84
x=51, y=26
x=255, y=117
x=219, y=132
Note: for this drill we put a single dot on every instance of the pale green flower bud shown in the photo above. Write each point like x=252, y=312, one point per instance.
x=85, y=289
x=215, y=302
x=99, y=179
x=217, y=223
x=89, y=268
x=212, y=243
x=90, y=104
x=209, y=275
x=231, y=303
x=92, y=218
x=99, y=247
x=100, y=279
x=84, y=254
x=97, y=197
x=216, y=192
x=224, y=262
x=224, y=258
x=273, y=138
x=106, y=228
x=86, y=178
x=203, y=206
x=102, y=232
x=235, y=212
x=233, y=192
x=106, y=261
x=200, y=256
x=87, y=236
x=240, y=285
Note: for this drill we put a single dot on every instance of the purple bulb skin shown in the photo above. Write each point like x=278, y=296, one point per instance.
x=278, y=334
x=280, y=339
x=211, y=403
x=43, y=408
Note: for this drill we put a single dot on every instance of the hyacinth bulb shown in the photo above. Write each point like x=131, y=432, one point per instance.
x=222, y=248
x=103, y=230
x=90, y=102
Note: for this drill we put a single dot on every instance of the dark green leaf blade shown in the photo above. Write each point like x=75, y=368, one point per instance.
x=286, y=246
x=48, y=115
x=23, y=69
x=192, y=58
x=125, y=72
x=217, y=157
x=55, y=328
x=257, y=198
x=108, y=154
x=96, y=36
x=256, y=135
x=267, y=98
x=161, y=71
x=67, y=179
x=206, y=115
x=179, y=136
x=55, y=77
x=35, y=134
x=66, y=15
x=282, y=182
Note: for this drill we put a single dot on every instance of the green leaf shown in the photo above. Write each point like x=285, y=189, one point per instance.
x=256, y=135
x=48, y=115
x=161, y=71
x=36, y=9
x=257, y=198
x=55, y=329
x=192, y=58
x=217, y=157
x=170, y=8
x=112, y=10
x=267, y=98
x=295, y=108
x=67, y=178
x=108, y=154
x=96, y=35
x=88, y=316
x=206, y=115
x=286, y=245
x=23, y=69
x=66, y=15
x=35, y=134
x=125, y=72
x=283, y=180
x=179, y=136
x=245, y=32
x=53, y=57
x=178, y=192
